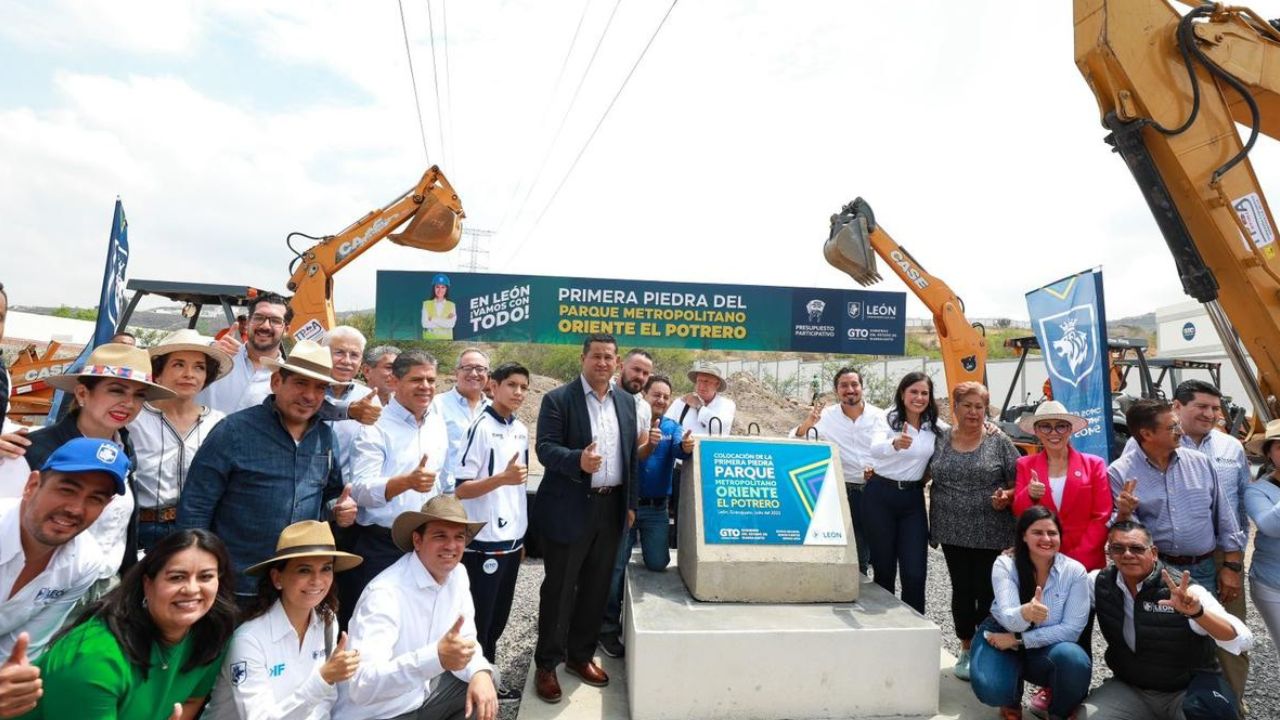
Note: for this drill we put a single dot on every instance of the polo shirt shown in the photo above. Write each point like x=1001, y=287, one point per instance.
x=43, y=604
x=490, y=444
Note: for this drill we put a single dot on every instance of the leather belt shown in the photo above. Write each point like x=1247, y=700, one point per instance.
x=607, y=489
x=900, y=484
x=1185, y=559
x=657, y=502
x=164, y=514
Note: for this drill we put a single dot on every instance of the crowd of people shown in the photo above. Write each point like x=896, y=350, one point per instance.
x=219, y=530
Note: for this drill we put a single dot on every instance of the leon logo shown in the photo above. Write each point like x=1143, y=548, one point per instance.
x=815, y=309
x=1073, y=344
x=854, y=309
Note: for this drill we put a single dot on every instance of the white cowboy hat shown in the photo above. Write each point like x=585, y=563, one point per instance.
x=440, y=507
x=706, y=368
x=1051, y=410
x=1258, y=443
x=308, y=360
x=309, y=538
x=188, y=340
x=115, y=360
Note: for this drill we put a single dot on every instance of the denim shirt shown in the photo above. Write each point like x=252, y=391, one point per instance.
x=655, y=475
x=250, y=480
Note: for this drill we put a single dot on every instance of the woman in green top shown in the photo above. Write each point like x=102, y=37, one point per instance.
x=152, y=647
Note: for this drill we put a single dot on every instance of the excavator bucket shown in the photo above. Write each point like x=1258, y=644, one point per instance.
x=849, y=248
x=437, y=225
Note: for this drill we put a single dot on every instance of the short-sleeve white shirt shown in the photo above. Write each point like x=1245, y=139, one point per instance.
x=491, y=443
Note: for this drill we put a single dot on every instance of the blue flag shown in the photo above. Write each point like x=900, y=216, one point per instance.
x=110, y=301
x=1070, y=323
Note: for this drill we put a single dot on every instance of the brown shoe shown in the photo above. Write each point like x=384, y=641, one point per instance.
x=590, y=673
x=547, y=685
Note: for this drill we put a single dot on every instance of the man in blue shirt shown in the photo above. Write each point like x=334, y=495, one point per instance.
x=650, y=523
x=268, y=466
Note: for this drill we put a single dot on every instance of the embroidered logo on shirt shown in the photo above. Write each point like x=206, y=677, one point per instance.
x=239, y=671
x=276, y=670
x=502, y=522
x=50, y=594
x=1149, y=606
x=490, y=566
x=317, y=654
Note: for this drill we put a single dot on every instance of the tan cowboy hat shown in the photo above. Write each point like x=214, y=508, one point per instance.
x=307, y=359
x=1051, y=410
x=1257, y=444
x=115, y=360
x=188, y=340
x=706, y=368
x=309, y=538
x=440, y=507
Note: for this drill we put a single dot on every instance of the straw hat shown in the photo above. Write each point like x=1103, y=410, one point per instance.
x=440, y=507
x=1258, y=444
x=706, y=368
x=1051, y=410
x=309, y=538
x=115, y=360
x=189, y=340
x=307, y=359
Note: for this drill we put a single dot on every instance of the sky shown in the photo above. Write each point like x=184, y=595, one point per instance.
x=223, y=126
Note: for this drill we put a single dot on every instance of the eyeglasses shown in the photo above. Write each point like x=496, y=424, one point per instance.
x=256, y=319
x=1061, y=428
x=477, y=369
x=1118, y=550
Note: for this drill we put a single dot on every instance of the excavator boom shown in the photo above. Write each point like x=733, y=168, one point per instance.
x=1170, y=89
x=434, y=215
x=852, y=247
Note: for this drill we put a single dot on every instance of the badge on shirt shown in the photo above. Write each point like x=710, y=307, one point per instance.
x=239, y=671
x=1151, y=607
x=48, y=595
x=490, y=566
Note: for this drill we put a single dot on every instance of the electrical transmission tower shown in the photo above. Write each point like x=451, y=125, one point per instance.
x=475, y=258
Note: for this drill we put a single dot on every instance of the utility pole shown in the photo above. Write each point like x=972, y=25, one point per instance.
x=475, y=258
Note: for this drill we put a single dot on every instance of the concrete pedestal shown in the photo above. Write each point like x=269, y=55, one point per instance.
x=764, y=573
x=732, y=661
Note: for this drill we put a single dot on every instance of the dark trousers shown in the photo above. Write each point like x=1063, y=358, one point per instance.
x=971, y=591
x=373, y=543
x=855, y=491
x=493, y=586
x=448, y=702
x=898, y=530
x=150, y=533
x=576, y=586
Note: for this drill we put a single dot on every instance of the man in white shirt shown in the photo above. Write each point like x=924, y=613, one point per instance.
x=1162, y=633
x=377, y=370
x=395, y=467
x=46, y=562
x=848, y=426
x=461, y=406
x=249, y=382
x=346, y=350
x=414, y=627
x=637, y=366
x=705, y=411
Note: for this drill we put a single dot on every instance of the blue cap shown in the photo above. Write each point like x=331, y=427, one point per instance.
x=440, y=279
x=90, y=455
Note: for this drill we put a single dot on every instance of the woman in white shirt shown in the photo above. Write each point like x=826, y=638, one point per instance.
x=897, y=526
x=276, y=668
x=167, y=433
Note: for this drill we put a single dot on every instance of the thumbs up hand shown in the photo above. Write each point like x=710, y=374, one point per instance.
x=655, y=431
x=366, y=410
x=229, y=343
x=420, y=478
x=20, y=684
x=903, y=441
x=591, y=460
x=344, y=510
x=1035, y=611
x=1127, y=500
x=342, y=664
x=686, y=442
x=177, y=707
x=1035, y=489
x=455, y=651
x=516, y=473
x=1001, y=499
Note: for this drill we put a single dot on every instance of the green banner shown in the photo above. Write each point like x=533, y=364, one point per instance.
x=523, y=308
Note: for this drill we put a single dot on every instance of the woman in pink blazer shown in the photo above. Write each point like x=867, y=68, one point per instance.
x=1072, y=484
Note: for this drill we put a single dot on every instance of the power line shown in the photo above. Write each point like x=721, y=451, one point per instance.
x=417, y=104
x=448, y=80
x=435, y=82
x=592, y=136
x=574, y=99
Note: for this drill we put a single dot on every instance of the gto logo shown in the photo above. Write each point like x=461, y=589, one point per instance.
x=912, y=272
x=360, y=241
x=45, y=372
x=730, y=533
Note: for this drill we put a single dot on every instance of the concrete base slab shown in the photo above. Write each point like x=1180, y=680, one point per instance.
x=739, y=661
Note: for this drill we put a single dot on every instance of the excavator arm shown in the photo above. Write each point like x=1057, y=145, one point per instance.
x=855, y=241
x=434, y=214
x=1170, y=88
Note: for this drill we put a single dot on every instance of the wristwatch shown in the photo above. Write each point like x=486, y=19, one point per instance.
x=1233, y=566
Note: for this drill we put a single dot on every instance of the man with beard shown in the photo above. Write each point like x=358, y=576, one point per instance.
x=461, y=406
x=46, y=564
x=268, y=466
x=848, y=427
x=250, y=379
x=634, y=372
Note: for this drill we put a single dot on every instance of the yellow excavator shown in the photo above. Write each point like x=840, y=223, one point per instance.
x=1171, y=88
x=852, y=247
x=434, y=213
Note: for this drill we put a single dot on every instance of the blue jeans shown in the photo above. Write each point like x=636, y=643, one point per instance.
x=854, y=492
x=150, y=533
x=651, y=525
x=897, y=527
x=997, y=675
x=1203, y=573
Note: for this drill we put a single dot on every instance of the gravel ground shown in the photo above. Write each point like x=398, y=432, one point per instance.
x=516, y=647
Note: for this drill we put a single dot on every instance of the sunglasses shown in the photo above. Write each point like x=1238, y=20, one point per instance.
x=1118, y=550
x=1061, y=428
